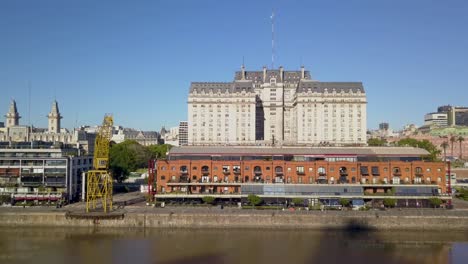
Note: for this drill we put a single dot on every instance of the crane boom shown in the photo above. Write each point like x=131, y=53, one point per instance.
x=99, y=180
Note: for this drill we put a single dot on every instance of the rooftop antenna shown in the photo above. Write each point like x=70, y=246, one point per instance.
x=29, y=104
x=272, y=39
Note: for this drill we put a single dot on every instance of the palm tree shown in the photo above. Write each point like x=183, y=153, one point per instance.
x=460, y=139
x=445, y=145
x=452, y=140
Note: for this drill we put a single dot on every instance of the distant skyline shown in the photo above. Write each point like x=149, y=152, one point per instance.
x=136, y=59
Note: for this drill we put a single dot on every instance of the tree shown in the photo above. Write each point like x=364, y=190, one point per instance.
x=435, y=201
x=159, y=151
x=424, y=144
x=254, y=199
x=460, y=139
x=377, y=142
x=444, y=146
x=208, y=199
x=126, y=157
x=389, y=202
x=344, y=202
x=452, y=141
x=298, y=201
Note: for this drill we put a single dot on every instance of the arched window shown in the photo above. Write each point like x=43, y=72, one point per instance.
x=396, y=171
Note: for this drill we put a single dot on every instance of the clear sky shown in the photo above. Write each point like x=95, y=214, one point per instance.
x=136, y=59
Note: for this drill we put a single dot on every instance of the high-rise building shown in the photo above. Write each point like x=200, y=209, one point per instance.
x=384, y=126
x=276, y=107
x=456, y=115
x=183, y=133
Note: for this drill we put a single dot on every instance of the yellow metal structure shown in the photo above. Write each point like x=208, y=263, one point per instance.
x=99, y=180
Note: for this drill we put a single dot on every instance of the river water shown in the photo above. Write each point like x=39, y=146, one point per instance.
x=170, y=246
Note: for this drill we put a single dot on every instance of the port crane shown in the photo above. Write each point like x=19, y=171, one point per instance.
x=99, y=179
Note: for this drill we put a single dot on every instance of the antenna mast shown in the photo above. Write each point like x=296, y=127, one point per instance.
x=272, y=39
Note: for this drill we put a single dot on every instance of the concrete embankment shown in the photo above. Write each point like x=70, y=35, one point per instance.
x=241, y=219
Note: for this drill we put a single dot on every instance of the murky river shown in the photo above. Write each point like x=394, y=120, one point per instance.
x=75, y=245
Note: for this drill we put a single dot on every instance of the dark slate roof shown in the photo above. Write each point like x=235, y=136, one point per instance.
x=221, y=87
x=324, y=151
x=320, y=87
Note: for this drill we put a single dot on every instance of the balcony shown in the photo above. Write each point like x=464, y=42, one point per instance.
x=226, y=171
x=237, y=171
x=300, y=172
x=257, y=172
x=183, y=172
x=419, y=174
x=322, y=173
x=397, y=174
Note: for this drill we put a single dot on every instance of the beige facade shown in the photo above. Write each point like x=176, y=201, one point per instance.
x=277, y=107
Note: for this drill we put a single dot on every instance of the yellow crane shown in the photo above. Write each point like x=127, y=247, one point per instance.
x=99, y=180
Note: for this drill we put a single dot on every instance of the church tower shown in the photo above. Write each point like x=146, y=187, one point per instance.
x=54, y=118
x=12, y=117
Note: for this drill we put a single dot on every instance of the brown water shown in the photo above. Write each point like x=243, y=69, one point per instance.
x=74, y=245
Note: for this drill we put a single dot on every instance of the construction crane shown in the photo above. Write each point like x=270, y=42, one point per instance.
x=99, y=180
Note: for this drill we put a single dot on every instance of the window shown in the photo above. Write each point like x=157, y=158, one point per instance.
x=300, y=169
x=163, y=178
x=194, y=177
x=194, y=168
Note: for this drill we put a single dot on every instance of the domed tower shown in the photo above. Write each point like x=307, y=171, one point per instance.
x=12, y=117
x=54, y=118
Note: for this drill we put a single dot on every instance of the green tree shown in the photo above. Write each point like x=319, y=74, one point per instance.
x=344, y=202
x=126, y=157
x=208, y=199
x=159, y=151
x=435, y=201
x=444, y=146
x=460, y=139
x=298, y=201
x=424, y=144
x=254, y=199
x=377, y=142
x=389, y=202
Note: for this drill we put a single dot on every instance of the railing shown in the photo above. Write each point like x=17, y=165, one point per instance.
x=322, y=173
x=9, y=175
x=257, y=172
x=237, y=171
x=279, y=172
x=300, y=172
x=183, y=172
x=397, y=174
x=226, y=171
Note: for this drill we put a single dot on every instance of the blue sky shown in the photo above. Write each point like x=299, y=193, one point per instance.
x=136, y=59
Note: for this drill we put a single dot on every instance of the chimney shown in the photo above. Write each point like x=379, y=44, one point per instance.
x=264, y=73
x=281, y=73
x=302, y=72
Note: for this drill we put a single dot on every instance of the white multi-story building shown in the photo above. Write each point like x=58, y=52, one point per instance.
x=276, y=107
x=33, y=171
x=436, y=119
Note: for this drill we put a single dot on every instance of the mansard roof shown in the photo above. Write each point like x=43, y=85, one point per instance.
x=320, y=87
x=221, y=87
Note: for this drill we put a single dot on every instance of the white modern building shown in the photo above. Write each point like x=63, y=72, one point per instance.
x=436, y=119
x=276, y=107
x=41, y=171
